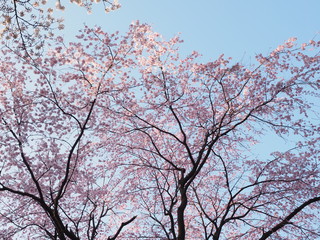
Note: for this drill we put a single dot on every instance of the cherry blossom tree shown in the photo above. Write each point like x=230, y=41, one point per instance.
x=54, y=178
x=188, y=132
x=120, y=137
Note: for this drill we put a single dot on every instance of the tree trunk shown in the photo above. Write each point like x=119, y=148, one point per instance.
x=180, y=212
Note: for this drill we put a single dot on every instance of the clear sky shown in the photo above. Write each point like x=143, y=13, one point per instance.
x=237, y=28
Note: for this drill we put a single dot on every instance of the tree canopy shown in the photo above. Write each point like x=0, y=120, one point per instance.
x=116, y=136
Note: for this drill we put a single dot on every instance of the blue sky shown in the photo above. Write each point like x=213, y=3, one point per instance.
x=239, y=29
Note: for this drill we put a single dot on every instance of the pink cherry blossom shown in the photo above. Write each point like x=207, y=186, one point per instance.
x=119, y=137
